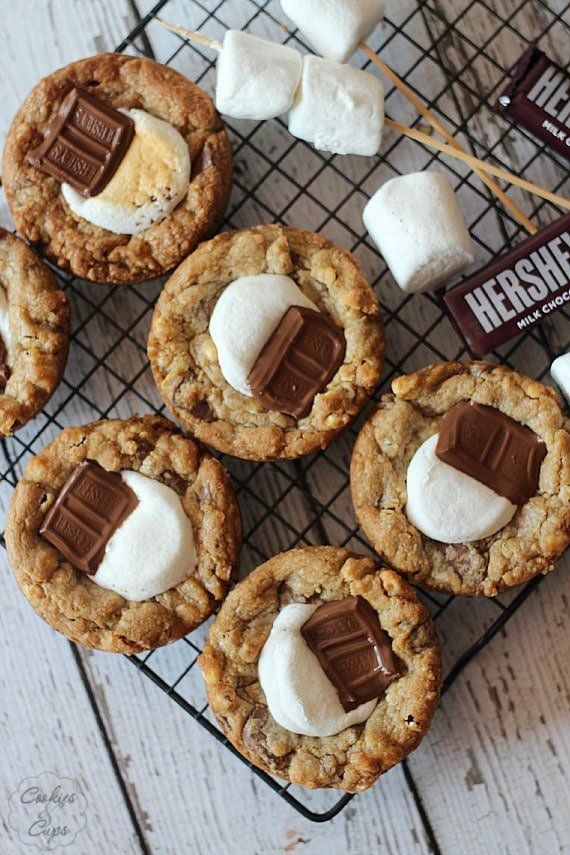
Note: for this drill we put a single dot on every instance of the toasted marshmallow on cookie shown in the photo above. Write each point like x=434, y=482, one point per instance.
x=245, y=316
x=153, y=550
x=300, y=696
x=151, y=180
x=449, y=506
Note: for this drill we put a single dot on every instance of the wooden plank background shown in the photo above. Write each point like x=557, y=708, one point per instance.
x=493, y=772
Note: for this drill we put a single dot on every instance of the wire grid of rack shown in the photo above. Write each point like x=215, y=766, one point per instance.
x=447, y=54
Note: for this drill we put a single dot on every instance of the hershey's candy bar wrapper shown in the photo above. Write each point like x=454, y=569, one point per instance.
x=514, y=292
x=538, y=99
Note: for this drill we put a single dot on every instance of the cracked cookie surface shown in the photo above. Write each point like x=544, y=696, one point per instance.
x=184, y=358
x=539, y=532
x=354, y=758
x=39, y=325
x=44, y=218
x=67, y=598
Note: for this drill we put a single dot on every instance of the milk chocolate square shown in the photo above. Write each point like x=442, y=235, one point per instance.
x=494, y=449
x=85, y=143
x=90, y=507
x=300, y=359
x=353, y=650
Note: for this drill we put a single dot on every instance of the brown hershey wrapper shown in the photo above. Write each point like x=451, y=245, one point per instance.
x=514, y=292
x=494, y=449
x=85, y=143
x=90, y=507
x=300, y=359
x=538, y=99
x=353, y=650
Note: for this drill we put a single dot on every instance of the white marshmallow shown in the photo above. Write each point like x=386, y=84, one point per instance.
x=300, y=696
x=152, y=179
x=5, y=325
x=335, y=27
x=257, y=79
x=416, y=223
x=245, y=316
x=153, y=550
x=448, y=505
x=338, y=108
x=560, y=373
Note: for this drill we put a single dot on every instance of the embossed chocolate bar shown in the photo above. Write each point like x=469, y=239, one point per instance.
x=299, y=360
x=353, y=650
x=85, y=143
x=494, y=449
x=515, y=291
x=538, y=99
x=90, y=507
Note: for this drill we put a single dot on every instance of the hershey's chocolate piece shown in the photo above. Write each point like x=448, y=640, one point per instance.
x=85, y=143
x=538, y=99
x=300, y=359
x=494, y=449
x=353, y=650
x=515, y=291
x=4, y=370
x=90, y=507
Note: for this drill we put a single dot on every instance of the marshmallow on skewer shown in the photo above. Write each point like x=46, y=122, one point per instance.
x=257, y=79
x=416, y=223
x=335, y=27
x=560, y=373
x=338, y=108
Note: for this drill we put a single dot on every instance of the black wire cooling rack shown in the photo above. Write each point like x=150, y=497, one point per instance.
x=453, y=56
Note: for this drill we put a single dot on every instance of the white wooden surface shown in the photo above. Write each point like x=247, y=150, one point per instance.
x=493, y=772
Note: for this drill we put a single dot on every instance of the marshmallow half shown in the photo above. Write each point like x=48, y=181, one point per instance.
x=416, y=223
x=152, y=179
x=256, y=79
x=560, y=373
x=245, y=316
x=449, y=506
x=300, y=696
x=335, y=27
x=153, y=550
x=338, y=108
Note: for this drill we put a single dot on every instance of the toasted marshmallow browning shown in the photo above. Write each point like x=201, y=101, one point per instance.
x=417, y=224
x=300, y=696
x=335, y=27
x=153, y=550
x=449, y=506
x=150, y=182
x=257, y=79
x=244, y=318
x=338, y=108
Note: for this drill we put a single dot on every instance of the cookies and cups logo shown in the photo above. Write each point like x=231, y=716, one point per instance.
x=47, y=811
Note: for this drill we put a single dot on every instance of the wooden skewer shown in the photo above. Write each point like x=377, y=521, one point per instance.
x=440, y=128
x=474, y=162
x=456, y=153
x=214, y=44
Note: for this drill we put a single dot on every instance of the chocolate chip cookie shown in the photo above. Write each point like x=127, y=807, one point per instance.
x=34, y=333
x=521, y=451
x=297, y=303
x=127, y=83
x=353, y=758
x=70, y=499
